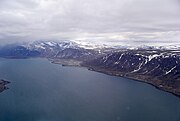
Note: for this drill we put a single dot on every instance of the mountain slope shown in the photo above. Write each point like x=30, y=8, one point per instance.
x=17, y=51
x=159, y=66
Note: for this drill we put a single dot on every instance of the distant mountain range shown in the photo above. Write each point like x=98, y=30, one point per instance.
x=159, y=66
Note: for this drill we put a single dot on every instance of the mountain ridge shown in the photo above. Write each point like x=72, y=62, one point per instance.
x=158, y=66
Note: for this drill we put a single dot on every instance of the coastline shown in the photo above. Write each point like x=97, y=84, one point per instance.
x=136, y=79
x=76, y=63
x=65, y=62
x=117, y=74
x=3, y=84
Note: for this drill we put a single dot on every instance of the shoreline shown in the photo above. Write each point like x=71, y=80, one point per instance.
x=3, y=84
x=159, y=87
x=65, y=62
x=138, y=80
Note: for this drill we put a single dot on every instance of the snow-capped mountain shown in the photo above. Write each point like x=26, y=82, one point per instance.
x=157, y=65
x=43, y=45
x=160, y=68
x=49, y=49
x=53, y=45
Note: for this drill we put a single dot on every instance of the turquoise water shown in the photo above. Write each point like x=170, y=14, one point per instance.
x=41, y=91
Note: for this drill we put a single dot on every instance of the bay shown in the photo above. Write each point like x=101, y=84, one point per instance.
x=42, y=91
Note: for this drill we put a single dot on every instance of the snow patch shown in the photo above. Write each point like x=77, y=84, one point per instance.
x=170, y=70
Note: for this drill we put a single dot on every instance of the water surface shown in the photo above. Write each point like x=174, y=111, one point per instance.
x=41, y=91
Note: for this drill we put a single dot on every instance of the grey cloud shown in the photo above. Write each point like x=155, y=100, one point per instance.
x=102, y=20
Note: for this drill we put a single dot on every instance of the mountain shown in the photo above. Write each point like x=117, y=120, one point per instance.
x=17, y=51
x=49, y=49
x=159, y=66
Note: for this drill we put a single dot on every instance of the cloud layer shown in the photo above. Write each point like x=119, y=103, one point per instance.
x=126, y=21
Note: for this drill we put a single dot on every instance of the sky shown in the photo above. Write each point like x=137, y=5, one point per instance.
x=93, y=21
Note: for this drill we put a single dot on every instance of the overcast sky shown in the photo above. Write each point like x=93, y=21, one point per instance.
x=121, y=21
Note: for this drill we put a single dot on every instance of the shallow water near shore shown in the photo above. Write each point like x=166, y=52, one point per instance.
x=42, y=91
